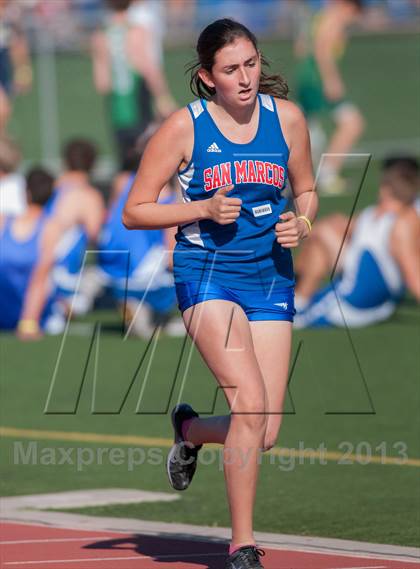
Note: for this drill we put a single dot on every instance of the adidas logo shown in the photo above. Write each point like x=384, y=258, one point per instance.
x=213, y=148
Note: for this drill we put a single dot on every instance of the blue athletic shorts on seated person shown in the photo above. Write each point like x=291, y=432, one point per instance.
x=161, y=300
x=276, y=305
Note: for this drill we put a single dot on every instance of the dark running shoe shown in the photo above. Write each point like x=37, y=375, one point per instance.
x=245, y=558
x=181, y=463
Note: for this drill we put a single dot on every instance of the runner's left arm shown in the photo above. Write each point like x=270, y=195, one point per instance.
x=292, y=229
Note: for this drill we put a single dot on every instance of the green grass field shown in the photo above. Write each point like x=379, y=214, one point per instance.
x=336, y=378
x=342, y=498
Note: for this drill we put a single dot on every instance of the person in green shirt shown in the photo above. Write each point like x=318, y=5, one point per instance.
x=320, y=88
x=127, y=72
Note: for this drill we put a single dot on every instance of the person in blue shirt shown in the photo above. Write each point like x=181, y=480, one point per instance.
x=136, y=266
x=27, y=255
x=234, y=149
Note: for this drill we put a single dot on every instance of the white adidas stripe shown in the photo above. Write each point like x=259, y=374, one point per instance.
x=213, y=148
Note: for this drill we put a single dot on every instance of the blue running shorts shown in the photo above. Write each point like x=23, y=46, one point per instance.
x=276, y=305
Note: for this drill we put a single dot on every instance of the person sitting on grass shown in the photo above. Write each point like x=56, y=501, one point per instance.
x=27, y=297
x=80, y=209
x=136, y=266
x=375, y=254
x=12, y=183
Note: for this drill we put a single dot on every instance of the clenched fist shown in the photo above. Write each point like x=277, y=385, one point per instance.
x=291, y=230
x=222, y=209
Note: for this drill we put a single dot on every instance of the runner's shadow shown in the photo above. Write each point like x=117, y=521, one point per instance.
x=178, y=548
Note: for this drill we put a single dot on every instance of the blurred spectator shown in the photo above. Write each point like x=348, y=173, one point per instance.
x=27, y=300
x=410, y=167
x=379, y=259
x=135, y=264
x=15, y=66
x=129, y=165
x=150, y=16
x=89, y=13
x=181, y=19
x=320, y=86
x=80, y=210
x=127, y=71
x=402, y=10
x=12, y=184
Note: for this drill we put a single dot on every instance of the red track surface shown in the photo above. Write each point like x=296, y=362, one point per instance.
x=31, y=546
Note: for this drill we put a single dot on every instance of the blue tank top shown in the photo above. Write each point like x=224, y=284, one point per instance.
x=17, y=261
x=245, y=254
x=122, y=250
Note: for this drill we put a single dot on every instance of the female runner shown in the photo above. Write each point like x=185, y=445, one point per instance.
x=233, y=149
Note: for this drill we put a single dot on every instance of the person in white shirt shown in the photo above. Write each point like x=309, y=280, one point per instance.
x=12, y=184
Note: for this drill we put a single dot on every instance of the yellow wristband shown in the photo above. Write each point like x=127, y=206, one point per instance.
x=28, y=326
x=307, y=221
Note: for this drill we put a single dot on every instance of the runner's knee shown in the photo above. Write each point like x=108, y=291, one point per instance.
x=250, y=410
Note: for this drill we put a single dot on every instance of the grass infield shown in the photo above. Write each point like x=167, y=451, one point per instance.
x=339, y=490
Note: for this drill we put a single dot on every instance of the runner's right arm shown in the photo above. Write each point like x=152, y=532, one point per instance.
x=169, y=148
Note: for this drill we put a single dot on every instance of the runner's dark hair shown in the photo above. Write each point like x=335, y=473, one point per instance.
x=216, y=36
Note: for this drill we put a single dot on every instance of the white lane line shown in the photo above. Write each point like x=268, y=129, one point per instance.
x=54, y=540
x=138, y=557
x=84, y=560
x=83, y=499
x=358, y=567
